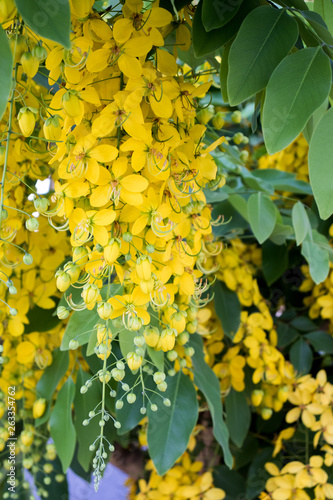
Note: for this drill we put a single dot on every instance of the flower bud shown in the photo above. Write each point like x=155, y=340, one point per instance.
x=104, y=310
x=192, y=326
x=204, y=115
x=32, y=224
x=153, y=407
x=118, y=375
x=119, y=404
x=39, y=52
x=172, y=356
x=162, y=387
x=143, y=268
x=151, y=335
x=73, y=344
x=38, y=408
x=147, y=286
x=52, y=129
x=139, y=341
x=112, y=251
x=167, y=340
x=167, y=402
x=105, y=377
x=41, y=204
x=218, y=120
x=27, y=259
x=159, y=377
x=257, y=397
x=30, y=64
x=71, y=104
x=62, y=312
x=63, y=280
x=134, y=361
x=189, y=351
x=236, y=117
x=80, y=255
x=27, y=438
x=131, y=398
x=183, y=338
x=90, y=293
x=127, y=237
x=73, y=270
x=266, y=413
x=135, y=323
x=178, y=322
x=27, y=120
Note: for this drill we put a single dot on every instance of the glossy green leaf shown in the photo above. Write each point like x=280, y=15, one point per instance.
x=238, y=416
x=301, y=222
x=301, y=356
x=313, y=121
x=53, y=374
x=320, y=164
x=206, y=380
x=325, y=9
x=62, y=429
x=303, y=324
x=169, y=428
x=286, y=334
x=274, y=261
x=6, y=70
x=262, y=216
x=297, y=87
x=318, y=260
x=126, y=341
x=321, y=341
x=255, y=53
x=157, y=358
x=48, y=18
x=283, y=181
x=227, y=307
x=41, y=320
x=224, y=70
x=231, y=482
x=205, y=43
x=257, y=474
x=218, y=13
x=83, y=404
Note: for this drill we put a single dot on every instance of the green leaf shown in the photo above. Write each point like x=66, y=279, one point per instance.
x=224, y=70
x=286, y=334
x=325, y=9
x=62, y=429
x=262, y=216
x=171, y=5
x=303, y=324
x=255, y=53
x=281, y=233
x=50, y=19
x=317, y=23
x=205, y=43
x=257, y=475
x=83, y=404
x=157, y=358
x=169, y=428
x=274, y=261
x=126, y=341
x=52, y=375
x=41, y=320
x=238, y=416
x=227, y=307
x=320, y=164
x=245, y=454
x=6, y=69
x=283, y=181
x=218, y=13
x=301, y=222
x=79, y=327
x=301, y=356
x=321, y=341
x=231, y=481
x=318, y=260
x=298, y=86
x=313, y=121
x=92, y=343
x=206, y=380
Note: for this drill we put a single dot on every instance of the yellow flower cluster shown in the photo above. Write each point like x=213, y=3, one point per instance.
x=320, y=302
x=183, y=481
x=312, y=400
x=254, y=344
x=293, y=159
